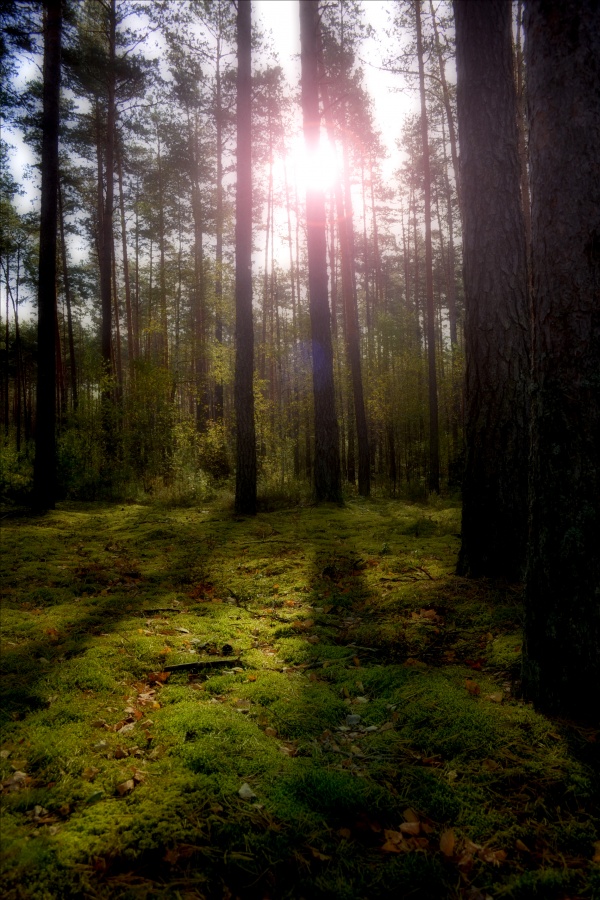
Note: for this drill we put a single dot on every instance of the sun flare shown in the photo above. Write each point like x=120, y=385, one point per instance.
x=317, y=170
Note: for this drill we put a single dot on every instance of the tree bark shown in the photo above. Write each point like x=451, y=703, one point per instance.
x=44, y=473
x=434, y=438
x=497, y=330
x=245, y=476
x=561, y=668
x=327, y=478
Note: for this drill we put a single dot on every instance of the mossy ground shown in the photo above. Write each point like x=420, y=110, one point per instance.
x=446, y=786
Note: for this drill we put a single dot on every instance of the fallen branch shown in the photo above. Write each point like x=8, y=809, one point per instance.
x=220, y=663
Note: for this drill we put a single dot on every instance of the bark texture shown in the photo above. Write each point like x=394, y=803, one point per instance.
x=561, y=669
x=497, y=319
x=245, y=480
x=327, y=477
x=44, y=473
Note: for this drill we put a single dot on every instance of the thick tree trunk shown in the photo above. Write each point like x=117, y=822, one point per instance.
x=327, y=477
x=245, y=475
x=561, y=669
x=497, y=325
x=434, y=438
x=44, y=473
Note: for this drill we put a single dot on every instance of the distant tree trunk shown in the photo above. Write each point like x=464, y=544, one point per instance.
x=218, y=398
x=497, y=325
x=245, y=475
x=106, y=242
x=67, y=290
x=327, y=477
x=434, y=438
x=44, y=473
x=128, y=309
x=561, y=668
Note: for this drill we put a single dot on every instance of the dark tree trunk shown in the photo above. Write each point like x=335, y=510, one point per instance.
x=67, y=290
x=44, y=473
x=106, y=241
x=327, y=477
x=245, y=476
x=497, y=329
x=434, y=437
x=561, y=669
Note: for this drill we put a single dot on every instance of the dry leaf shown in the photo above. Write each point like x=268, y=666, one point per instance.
x=447, y=841
x=121, y=753
x=496, y=697
x=472, y=687
x=126, y=787
x=410, y=827
x=345, y=833
x=90, y=773
x=318, y=855
x=251, y=677
x=391, y=847
x=410, y=815
x=519, y=845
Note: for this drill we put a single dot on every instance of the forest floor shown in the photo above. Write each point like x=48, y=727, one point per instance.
x=344, y=726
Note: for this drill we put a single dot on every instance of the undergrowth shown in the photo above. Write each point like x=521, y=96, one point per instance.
x=349, y=727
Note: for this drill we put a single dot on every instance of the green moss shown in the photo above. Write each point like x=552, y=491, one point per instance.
x=327, y=625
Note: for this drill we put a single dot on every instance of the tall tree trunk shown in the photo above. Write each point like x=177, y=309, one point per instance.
x=343, y=208
x=128, y=309
x=218, y=405
x=561, y=669
x=67, y=290
x=44, y=472
x=327, y=479
x=434, y=438
x=106, y=241
x=245, y=475
x=497, y=338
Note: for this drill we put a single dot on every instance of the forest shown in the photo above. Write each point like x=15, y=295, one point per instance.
x=300, y=454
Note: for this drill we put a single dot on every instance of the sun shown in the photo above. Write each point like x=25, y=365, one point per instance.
x=318, y=170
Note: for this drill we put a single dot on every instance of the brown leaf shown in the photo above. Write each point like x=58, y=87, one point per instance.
x=447, y=841
x=472, y=687
x=410, y=815
x=318, y=855
x=523, y=848
x=345, y=833
x=391, y=847
x=121, y=753
x=496, y=697
x=394, y=836
x=126, y=787
x=90, y=773
x=410, y=827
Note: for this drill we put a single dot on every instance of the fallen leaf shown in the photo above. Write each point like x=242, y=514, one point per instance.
x=472, y=687
x=345, y=833
x=121, y=753
x=318, y=855
x=410, y=815
x=126, y=787
x=447, y=841
x=410, y=827
x=90, y=773
x=391, y=847
x=496, y=697
x=251, y=677
x=519, y=845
